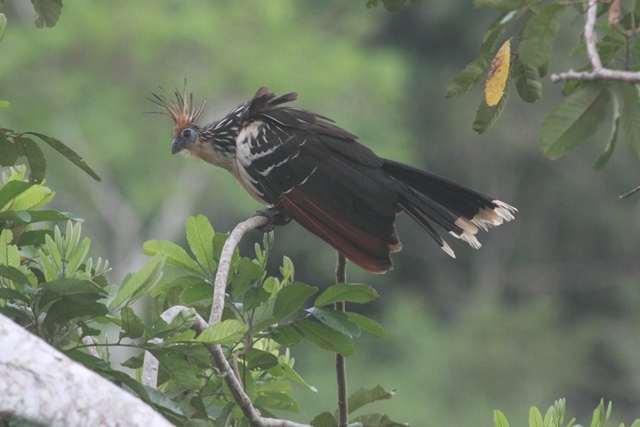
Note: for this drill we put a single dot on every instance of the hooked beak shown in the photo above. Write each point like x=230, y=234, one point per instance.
x=177, y=145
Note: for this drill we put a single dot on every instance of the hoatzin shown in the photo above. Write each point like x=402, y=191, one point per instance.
x=318, y=174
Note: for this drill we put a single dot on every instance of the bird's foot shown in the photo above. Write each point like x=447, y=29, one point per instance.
x=274, y=217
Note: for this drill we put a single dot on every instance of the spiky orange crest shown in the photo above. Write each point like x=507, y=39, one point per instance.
x=180, y=110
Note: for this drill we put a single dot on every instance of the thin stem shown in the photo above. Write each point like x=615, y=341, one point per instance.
x=341, y=367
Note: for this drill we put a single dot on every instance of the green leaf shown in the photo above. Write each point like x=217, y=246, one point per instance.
x=376, y=420
x=336, y=320
x=290, y=299
x=543, y=70
x=13, y=274
x=65, y=310
x=501, y=5
x=77, y=256
x=535, y=417
x=260, y=359
x=362, y=397
x=12, y=294
x=287, y=336
x=254, y=297
x=539, y=34
x=11, y=190
x=294, y=376
x=470, y=77
x=175, y=255
x=349, y=292
x=200, y=238
x=248, y=273
x=272, y=285
x=51, y=215
x=499, y=419
x=325, y=337
x=611, y=145
x=134, y=286
x=18, y=217
x=528, y=82
x=132, y=325
x=496, y=30
x=574, y=120
x=48, y=12
x=37, y=163
x=67, y=152
x=486, y=116
x=278, y=402
x=33, y=198
x=225, y=332
x=9, y=254
x=200, y=292
x=367, y=324
x=134, y=362
x=598, y=415
x=8, y=151
x=176, y=368
x=324, y=419
x=77, y=290
x=630, y=117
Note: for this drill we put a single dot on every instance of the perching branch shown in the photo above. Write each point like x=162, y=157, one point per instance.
x=598, y=72
x=224, y=265
x=43, y=387
x=215, y=350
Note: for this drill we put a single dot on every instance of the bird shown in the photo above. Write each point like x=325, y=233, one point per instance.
x=304, y=167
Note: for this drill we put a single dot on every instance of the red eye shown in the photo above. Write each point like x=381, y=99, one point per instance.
x=186, y=133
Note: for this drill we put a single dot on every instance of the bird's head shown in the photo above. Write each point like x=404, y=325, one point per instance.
x=185, y=130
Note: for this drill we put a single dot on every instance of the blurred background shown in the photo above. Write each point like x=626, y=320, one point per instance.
x=548, y=308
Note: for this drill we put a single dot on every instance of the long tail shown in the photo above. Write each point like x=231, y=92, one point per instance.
x=458, y=209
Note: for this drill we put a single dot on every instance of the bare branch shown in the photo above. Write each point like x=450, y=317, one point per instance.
x=629, y=193
x=589, y=35
x=150, y=364
x=598, y=72
x=42, y=386
x=597, y=75
x=224, y=265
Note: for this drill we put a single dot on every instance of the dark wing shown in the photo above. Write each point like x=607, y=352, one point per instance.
x=321, y=176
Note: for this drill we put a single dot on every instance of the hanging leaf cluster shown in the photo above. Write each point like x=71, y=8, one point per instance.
x=516, y=50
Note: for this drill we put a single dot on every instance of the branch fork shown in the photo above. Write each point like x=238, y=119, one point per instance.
x=598, y=72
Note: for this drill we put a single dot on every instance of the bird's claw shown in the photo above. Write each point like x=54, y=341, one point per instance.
x=274, y=217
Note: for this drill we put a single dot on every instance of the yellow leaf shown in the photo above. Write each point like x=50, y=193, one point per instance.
x=497, y=76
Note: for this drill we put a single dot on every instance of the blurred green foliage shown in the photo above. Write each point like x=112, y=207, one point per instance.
x=549, y=306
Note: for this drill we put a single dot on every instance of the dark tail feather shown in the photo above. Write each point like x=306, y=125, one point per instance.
x=458, y=209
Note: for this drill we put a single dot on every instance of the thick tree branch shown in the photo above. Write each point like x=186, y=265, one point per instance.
x=43, y=387
x=598, y=72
